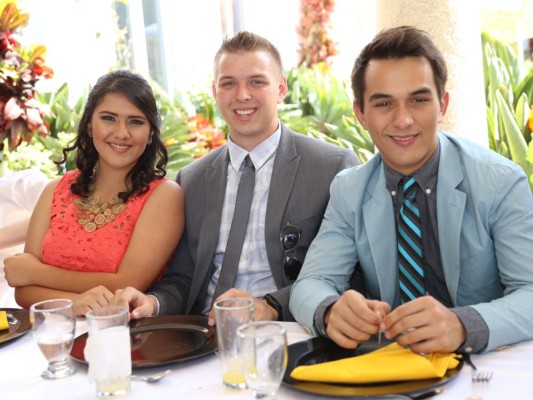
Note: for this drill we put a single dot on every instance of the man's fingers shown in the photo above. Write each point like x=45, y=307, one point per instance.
x=342, y=340
x=211, y=321
x=143, y=311
x=347, y=330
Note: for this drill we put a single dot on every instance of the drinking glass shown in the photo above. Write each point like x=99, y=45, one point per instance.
x=230, y=314
x=53, y=325
x=108, y=351
x=262, y=348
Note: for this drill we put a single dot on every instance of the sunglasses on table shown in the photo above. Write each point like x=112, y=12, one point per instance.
x=289, y=237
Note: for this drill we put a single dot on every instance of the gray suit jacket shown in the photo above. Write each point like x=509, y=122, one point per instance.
x=303, y=170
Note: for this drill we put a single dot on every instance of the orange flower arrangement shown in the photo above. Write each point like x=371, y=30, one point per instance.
x=205, y=133
x=20, y=69
x=314, y=32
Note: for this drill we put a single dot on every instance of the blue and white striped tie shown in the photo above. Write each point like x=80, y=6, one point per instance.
x=410, y=245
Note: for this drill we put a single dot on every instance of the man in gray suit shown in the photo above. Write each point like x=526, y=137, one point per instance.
x=292, y=178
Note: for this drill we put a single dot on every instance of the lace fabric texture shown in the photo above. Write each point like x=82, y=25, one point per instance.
x=66, y=243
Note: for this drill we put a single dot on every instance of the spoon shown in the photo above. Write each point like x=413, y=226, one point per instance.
x=151, y=378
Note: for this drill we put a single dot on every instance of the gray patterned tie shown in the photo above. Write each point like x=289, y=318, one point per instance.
x=410, y=244
x=237, y=231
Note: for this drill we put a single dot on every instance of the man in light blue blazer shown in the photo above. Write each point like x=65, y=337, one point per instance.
x=476, y=221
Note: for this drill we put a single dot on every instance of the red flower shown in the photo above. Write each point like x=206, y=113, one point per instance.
x=6, y=40
x=21, y=115
x=205, y=133
x=40, y=69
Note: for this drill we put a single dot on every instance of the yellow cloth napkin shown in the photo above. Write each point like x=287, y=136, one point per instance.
x=3, y=321
x=388, y=364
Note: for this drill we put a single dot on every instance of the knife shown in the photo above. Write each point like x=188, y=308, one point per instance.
x=424, y=395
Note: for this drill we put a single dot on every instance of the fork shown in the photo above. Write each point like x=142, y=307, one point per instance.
x=478, y=375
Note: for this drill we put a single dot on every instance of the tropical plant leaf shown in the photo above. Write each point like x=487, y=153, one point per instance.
x=319, y=102
x=513, y=135
x=525, y=86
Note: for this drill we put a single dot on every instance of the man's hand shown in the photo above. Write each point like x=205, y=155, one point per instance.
x=94, y=298
x=137, y=302
x=426, y=326
x=353, y=319
x=263, y=312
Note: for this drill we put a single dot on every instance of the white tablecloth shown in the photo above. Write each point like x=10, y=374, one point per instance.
x=21, y=364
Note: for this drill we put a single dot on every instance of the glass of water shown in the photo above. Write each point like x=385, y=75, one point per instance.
x=262, y=348
x=108, y=351
x=53, y=325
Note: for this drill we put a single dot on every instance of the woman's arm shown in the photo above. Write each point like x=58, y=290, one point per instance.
x=156, y=235
x=83, y=302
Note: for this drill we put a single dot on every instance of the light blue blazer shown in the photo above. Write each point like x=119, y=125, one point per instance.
x=485, y=226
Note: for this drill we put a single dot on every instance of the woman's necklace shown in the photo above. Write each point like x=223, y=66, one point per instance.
x=94, y=213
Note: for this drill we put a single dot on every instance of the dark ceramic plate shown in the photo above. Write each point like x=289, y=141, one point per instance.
x=19, y=324
x=318, y=350
x=163, y=340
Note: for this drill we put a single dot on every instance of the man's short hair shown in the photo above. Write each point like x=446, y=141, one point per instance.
x=248, y=42
x=397, y=43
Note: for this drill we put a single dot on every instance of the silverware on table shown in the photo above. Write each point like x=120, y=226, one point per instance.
x=420, y=396
x=151, y=378
x=478, y=375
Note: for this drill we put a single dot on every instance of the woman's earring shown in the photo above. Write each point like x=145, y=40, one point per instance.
x=150, y=138
x=90, y=132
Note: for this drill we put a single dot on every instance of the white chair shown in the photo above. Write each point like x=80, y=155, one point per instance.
x=19, y=191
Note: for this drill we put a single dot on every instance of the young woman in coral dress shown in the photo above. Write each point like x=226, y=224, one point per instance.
x=113, y=222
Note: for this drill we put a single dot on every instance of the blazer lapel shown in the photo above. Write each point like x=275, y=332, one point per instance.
x=281, y=184
x=450, y=210
x=378, y=217
x=214, y=192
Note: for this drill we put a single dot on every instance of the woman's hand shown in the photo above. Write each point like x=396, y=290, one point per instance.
x=95, y=298
x=22, y=270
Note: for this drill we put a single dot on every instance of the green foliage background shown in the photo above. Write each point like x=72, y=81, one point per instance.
x=318, y=104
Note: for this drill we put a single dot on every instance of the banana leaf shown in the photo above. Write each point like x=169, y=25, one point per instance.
x=513, y=135
x=522, y=111
x=525, y=86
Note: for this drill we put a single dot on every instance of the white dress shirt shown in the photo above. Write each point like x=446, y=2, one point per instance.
x=253, y=275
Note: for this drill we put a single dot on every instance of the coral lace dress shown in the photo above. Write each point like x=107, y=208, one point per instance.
x=67, y=244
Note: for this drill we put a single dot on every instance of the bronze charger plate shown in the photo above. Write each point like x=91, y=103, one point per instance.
x=19, y=324
x=163, y=340
x=318, y=350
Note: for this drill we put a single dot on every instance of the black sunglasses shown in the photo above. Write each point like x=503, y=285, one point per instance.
x=289, y=237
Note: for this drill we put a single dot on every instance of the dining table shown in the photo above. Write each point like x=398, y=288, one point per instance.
x=21, y=364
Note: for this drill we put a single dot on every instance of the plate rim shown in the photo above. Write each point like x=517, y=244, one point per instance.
x=193, y=320
x=23, y=328
x=286, y=381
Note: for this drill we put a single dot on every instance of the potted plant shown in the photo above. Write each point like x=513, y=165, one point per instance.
x=21, y=67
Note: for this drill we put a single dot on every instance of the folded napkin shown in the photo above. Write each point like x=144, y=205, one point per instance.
x=3, y=321
x=388, y=364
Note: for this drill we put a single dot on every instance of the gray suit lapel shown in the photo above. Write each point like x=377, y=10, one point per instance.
x=283, y=175
x=214, y=192
x=450, y=210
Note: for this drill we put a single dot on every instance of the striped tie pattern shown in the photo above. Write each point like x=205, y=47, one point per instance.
x=410, y=245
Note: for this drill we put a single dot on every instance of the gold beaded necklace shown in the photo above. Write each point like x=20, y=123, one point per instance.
x=94, y=213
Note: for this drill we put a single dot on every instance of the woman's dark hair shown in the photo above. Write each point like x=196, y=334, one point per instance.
x=397, y=43
x=151, y=164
